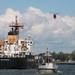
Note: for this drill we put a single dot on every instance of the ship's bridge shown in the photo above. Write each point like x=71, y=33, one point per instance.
x=13, y=32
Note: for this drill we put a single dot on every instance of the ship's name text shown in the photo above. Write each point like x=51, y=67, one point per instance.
x=4, y=59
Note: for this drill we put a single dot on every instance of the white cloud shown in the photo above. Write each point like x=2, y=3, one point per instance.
x=42, y=26
x=69, y=20
x=35, y=11
x=37, y=29
x=72, y=43
x=6, y=19
x=58, y=31
x=9, y=15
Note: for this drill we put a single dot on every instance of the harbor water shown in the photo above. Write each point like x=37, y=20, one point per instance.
x=62, y=70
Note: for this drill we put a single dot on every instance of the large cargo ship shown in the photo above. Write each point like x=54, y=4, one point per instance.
x=16, y=53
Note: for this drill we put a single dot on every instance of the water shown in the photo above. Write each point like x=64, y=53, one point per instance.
x=62, y=70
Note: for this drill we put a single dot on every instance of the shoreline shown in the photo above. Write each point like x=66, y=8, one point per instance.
x=65, y=63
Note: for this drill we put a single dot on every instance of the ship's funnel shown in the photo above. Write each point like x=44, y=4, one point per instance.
x=13, y=35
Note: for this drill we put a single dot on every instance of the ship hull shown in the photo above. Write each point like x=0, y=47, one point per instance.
x=17, y=63
x=47, y=67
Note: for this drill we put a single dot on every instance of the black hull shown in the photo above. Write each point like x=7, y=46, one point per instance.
x=18, y=63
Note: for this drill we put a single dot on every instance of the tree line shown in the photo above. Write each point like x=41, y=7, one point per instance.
x=61, y=55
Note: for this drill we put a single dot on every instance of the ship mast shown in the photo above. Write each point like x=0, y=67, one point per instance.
x=13, y=35
x=16, y=25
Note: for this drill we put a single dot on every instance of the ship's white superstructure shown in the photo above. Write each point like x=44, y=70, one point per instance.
x=17, y=49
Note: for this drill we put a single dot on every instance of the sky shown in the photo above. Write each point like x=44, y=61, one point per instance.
x=37, y=16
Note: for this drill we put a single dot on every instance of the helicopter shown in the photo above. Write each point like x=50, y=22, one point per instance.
x=55, y=15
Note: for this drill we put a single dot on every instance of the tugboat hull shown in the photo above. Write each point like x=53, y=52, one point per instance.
x=47, y=68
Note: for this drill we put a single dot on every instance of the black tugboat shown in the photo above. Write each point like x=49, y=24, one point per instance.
x=16, y=53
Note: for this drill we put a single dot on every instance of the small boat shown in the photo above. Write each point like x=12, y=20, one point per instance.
x=48, y=65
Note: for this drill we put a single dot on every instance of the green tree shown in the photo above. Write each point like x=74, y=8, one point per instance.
x=73, y=55
x=54, y=55
x=61, y=56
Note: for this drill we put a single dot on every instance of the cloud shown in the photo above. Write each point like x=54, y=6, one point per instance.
x=43, y=27
x=6, y=19
x=8, y=16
